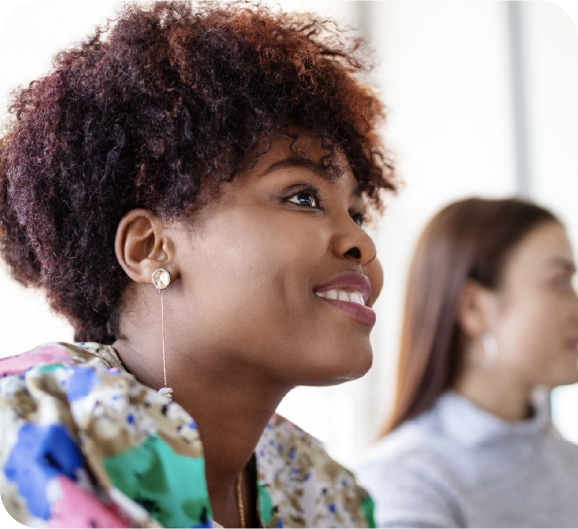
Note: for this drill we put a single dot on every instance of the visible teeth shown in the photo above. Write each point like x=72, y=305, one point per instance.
x=342, y=295
x=354, y=297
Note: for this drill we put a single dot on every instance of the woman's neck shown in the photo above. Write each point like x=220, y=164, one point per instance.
x=503, y=396
x=231, y=408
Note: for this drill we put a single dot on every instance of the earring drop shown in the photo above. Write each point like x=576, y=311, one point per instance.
x=161, y=280
x=490, y=347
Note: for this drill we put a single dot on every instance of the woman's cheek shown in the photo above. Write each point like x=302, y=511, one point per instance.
x=374, y=272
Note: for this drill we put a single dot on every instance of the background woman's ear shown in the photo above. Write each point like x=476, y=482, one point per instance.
x=142, y=245
x=472, y=309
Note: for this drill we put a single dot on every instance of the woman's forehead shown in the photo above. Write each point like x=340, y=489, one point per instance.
x=304, y=150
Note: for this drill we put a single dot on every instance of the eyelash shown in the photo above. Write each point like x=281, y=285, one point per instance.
x=358, y=218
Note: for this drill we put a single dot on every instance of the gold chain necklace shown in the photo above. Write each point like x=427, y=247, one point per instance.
x=240, y=501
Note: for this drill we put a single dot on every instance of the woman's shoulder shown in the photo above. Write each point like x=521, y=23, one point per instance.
x=60, y=353
x=421, y=437
x=308, y=487
x=412, y=477
x=415, y=450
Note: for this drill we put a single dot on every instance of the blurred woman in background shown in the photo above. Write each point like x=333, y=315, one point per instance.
x=490, y=317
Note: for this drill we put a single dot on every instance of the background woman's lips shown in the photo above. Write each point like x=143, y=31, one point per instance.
x=350, y=282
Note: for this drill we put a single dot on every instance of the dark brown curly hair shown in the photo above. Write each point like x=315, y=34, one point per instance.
x=155, y=110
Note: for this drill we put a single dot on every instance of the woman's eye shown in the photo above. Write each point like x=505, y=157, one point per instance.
x=358, y=219
x=563, y=282
x=304, y=198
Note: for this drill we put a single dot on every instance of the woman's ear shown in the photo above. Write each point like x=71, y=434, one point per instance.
x=142, y=245
x=473, y=309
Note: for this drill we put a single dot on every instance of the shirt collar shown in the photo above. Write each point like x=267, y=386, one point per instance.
x=472, y=426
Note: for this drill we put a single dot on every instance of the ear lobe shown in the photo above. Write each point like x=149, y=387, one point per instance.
x=142, y=245
x=471, y=317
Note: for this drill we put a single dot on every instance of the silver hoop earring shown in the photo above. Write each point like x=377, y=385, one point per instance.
x=490, y=347
x=161, y=280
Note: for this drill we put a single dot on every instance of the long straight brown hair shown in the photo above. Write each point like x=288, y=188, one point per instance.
x=469, y=239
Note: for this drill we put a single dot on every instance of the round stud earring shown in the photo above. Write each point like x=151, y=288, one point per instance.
x=161, y=280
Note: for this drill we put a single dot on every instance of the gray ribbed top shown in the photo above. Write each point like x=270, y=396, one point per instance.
x=459, y=466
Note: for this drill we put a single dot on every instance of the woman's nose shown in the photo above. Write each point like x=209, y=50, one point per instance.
x=351, y=242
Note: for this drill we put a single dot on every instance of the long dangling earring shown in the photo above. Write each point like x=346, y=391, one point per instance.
x=161, y=280
x=490, y=346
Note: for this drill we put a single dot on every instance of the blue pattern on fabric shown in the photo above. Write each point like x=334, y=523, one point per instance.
x=40, y=454
x=81, y=382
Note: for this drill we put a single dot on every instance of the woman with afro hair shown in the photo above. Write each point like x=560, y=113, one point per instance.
x=188, y=187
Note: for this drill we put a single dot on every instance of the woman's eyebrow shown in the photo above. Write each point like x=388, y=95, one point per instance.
x=298, y=163
x=310, y=165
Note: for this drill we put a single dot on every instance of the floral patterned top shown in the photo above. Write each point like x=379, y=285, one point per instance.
x=83, y=444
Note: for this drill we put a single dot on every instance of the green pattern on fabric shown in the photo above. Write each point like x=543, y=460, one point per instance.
x=49, y=368
x=169, y=486
x=265, y=503
x=368, y=508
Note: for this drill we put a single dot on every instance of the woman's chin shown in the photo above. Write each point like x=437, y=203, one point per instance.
x=338, y=371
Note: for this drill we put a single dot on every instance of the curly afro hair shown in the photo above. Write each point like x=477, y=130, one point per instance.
x=155, y=110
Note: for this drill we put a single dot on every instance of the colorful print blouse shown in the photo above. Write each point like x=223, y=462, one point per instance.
x=83, y=444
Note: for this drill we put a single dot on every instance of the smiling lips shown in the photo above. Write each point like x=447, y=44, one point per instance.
x=349, y=292
x=343, y=295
